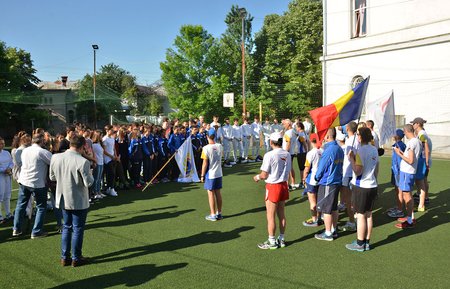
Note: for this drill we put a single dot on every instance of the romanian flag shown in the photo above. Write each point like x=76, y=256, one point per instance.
x=347, y=108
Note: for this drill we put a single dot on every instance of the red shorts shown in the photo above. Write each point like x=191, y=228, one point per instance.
x=277, y=192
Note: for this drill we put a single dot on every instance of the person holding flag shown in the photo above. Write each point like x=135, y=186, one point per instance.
x=212, y=175
x=329, y=178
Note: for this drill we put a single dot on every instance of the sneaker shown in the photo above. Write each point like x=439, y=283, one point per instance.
x=396, y=213
x=268, y=246
x=421, y=209
x=291, y=187
x=405, y=225
x=355, y=247
x=251, y=161
x=392, y=209
x=42, y=234
x=341, y=207
x=16, y=233
x=348, y=227
x=404, y=219
x=323, y=237
x=219, y=217
x=211, y=218
x=244, y=161
x=226, y=165
x=311, y=223
x=366, y=247
x=335, y=234
x=258, y=160
x=113, y=193
x=232, y=163
x=281, y=243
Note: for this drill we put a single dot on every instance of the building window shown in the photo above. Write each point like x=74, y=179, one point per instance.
x=359, y=18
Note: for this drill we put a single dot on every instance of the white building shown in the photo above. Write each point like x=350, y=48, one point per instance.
x=404, y=45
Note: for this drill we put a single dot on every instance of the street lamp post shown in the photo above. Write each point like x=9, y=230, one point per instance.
x=243, y=14
x=95, y=47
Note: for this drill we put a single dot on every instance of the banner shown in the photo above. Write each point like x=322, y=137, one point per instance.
x=382, y=112
x=186, y=163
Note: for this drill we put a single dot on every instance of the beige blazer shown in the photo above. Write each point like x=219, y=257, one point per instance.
x=73, y=178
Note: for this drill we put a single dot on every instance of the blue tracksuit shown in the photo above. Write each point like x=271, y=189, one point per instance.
x=329, y=171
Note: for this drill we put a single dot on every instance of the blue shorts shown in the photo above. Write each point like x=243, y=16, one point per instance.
x=311, y=189
x=406, y=182
x=421, y=169
x=213, y=184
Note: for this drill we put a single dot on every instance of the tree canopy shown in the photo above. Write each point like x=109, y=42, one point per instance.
x=283, y=71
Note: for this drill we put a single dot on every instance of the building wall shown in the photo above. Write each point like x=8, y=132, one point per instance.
x=406, y=49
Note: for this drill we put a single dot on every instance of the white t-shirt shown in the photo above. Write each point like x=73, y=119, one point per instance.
x=312, y=161
x=349, y=142
x=213, y=153
x=367, y=157
x=267, y=130
x=415, y=146
x=109, y=144
x=289, y=137
x=307, y=126
x=98, y=152
x=277, y=163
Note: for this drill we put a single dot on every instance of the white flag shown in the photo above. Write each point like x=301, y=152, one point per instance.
x=186, y=163
x=382, y=112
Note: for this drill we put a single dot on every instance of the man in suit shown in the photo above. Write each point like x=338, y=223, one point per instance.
x=73, y=178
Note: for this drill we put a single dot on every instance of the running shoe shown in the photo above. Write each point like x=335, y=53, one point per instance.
x=396, y=214
x=348, y=227
x=281, y=243
x=311, y=223
x=323, y=237
x=268, y=246
x=355, y=247
x=211, y=218
x=405, y=225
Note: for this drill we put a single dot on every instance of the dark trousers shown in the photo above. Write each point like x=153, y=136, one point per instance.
x=136, y=171
x=110, y=171
x=147, y=168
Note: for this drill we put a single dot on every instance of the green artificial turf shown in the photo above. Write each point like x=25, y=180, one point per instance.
x=160, y=239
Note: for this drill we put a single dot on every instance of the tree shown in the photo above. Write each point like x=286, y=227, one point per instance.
x=113, y=85
x=17, y=87
x=287, y=53
x=188, y=74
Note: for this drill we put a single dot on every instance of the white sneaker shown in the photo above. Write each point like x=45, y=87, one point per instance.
x=113, y=193
x=244, y=161
x=232, y=163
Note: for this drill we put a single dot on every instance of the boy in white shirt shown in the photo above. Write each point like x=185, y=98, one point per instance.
x=212, y=176
x=237, y=140
x=246, y=135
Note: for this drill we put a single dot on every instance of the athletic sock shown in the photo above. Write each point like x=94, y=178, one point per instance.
x=272, y=240
x=328, y=233
x=360, y=242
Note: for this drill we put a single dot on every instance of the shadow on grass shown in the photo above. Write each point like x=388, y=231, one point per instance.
x=210, y=237
x=137, y=219
x=438, y=213
x=127, y=277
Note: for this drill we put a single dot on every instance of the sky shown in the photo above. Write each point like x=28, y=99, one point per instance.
x=133, y=34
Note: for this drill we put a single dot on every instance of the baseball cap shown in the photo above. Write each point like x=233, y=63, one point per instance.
x=211, y=131
x=275, y=136
x=419, y=120
x=399, y=133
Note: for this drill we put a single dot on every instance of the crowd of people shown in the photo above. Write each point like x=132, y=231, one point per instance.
x=102, y=162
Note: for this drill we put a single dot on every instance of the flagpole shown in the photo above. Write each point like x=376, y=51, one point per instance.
x=149, y=183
